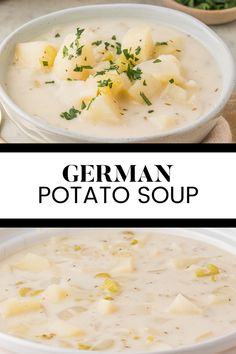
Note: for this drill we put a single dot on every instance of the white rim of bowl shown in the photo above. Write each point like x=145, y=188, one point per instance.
x=203, y=233
x=211, y=114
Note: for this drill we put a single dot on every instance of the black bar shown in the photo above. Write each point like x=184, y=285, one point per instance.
x=111, y=148
x=123, y=223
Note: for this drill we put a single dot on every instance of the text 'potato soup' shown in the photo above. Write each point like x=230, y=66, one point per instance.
x=114, y=79
x=118, y=291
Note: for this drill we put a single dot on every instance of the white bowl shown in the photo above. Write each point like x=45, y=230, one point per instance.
x=42, y=131
x=9, y=244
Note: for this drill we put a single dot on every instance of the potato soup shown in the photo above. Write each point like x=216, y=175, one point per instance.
x=118, y=291
x=119, y=78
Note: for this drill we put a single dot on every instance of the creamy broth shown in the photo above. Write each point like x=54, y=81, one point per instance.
x=118, y=291
x=42, y=94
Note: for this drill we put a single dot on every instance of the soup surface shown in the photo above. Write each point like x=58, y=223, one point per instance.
x=118, y=291
x=118, y=78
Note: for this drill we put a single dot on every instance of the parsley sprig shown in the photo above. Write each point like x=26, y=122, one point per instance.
x=146, y=100
x=133, y=74
x=157, y=61
x=79, y=32
x=161, y=43
x=105, y=83
x=111, y=68
x=81, y=68
x=79, y=50
x=65, y=51
x=97, y=43
x=130, y=56
x=71, y=114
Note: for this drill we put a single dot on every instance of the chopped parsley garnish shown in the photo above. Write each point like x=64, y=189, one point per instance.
x=79, y=31
x=111, y=68
x=45, y=63
x=65, y=51
x=113, y=37
x=57, y=35
x=97, y=43
x=93, y=99
x=50, y=82
x=71, y=114
x=118, y=48
x=83, y=105
x=146, y=100
x=171, y=81
x=127, y=54
x=161, y=43
x=151, y=111
x=133, y=74
x=79, y=50
x=107, y=44
x=79, y=69
x=157, y=61
x=130, y=57
x=138, y=50
x=105, y=83
x=98, y=73
x=144, y=83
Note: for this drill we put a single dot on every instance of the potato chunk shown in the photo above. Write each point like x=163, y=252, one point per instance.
x=165, y=68
x=65, y=329
x=184, y=262
x=175, y=93
x=36, y=55
x=149, y=85
x=183, y=306
x=138, y=40
x=103, y=109
x=110, y=83
x=56, y=293
x=74, y=61
x=14, y=307
x=106, y=307
x=126, y=265
x=33, y=263
x=172, y=46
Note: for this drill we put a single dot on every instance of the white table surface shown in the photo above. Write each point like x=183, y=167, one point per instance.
x=13, y=13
